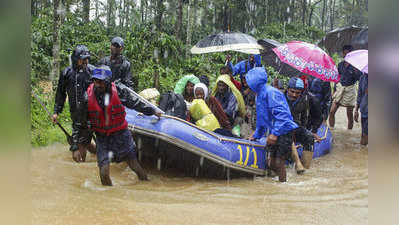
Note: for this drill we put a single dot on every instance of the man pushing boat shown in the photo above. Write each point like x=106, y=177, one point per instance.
x=102, y=112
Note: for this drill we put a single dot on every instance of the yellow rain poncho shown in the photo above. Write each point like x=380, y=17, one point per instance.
x=202, y=114
x=226, y=79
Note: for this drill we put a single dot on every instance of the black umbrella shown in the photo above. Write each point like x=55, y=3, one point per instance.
x=361, y=40
x=269, y=58
x=227, y=41
x=268, y=44
x=336, y=39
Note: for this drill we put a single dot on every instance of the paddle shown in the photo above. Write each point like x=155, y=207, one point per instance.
x=69, y=137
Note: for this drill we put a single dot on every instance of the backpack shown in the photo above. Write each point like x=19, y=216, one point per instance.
x=173, y=104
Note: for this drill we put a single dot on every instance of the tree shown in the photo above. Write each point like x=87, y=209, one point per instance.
x=86, y=10
x=57, y=16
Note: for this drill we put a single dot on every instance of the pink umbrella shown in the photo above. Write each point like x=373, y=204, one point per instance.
x=308, y=59
x=359, y=59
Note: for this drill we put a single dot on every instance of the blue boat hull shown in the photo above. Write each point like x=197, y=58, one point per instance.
x=231, y=153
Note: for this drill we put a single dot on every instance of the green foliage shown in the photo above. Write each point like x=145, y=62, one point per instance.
x=43, y=131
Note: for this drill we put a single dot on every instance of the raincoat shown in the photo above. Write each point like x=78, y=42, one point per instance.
x=181, y=84
x=120, y=68
x=244, y=66
x=272, y=110
x=203, y=116
x=237, y=94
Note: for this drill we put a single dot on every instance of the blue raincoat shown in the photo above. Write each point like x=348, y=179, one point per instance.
x=244, y=66
x=272, y=110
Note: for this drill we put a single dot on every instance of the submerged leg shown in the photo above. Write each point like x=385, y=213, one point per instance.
x=331, y=118
x=83, y=152
x=91, y=148
x=282, y=174
x=349, y=114
x=298, y=164
x=104, y=175
x=135, y=166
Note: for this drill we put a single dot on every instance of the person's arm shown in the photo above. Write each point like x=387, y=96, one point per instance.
x=131, y=101
x=259, y=132
x=60, y=95
x=239, y=68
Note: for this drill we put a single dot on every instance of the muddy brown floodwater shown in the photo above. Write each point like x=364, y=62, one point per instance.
x=333, y=191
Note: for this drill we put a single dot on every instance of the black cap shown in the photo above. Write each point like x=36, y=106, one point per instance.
x=118, y=41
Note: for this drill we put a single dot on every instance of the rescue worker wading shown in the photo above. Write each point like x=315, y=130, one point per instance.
x=73, y=82
x=104, y=113
x=305, y=110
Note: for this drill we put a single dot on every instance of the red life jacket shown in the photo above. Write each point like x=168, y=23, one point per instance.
x=115, y=111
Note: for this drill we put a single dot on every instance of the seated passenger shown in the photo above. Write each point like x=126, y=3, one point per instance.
x=202, y=115
x=185, y=87
x=246, y=92
x=201, y=92
x=231, y=100
x=227, y=70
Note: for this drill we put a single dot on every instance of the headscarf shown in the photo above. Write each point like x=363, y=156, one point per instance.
x=181, y=84
x=240, y=100
x=204, y=88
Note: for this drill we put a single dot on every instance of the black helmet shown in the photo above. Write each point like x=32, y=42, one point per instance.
x=118, y=41
x=80, y=52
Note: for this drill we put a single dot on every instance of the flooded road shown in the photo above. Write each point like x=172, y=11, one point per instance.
x=333, y=191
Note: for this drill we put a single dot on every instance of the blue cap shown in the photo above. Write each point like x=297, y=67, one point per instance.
x=118, y=41
x=296, y=83
x=102, y=73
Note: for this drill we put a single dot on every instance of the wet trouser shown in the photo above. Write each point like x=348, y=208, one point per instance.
x=83, y=136
x=116, y=147
x=305, y=137
x=283, y=147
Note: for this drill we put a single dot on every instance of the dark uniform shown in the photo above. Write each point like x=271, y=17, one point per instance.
x=119, y=64
x=74, y=82
x=120, y=68
x=321, y=90
x=307, y=114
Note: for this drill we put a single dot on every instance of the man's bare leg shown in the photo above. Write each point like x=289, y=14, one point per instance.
x=135, y=166
x=83, y=152
x=104, y=175
x=364, y=140
x=91, y=148
x=331, y=117
x=349, y=114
